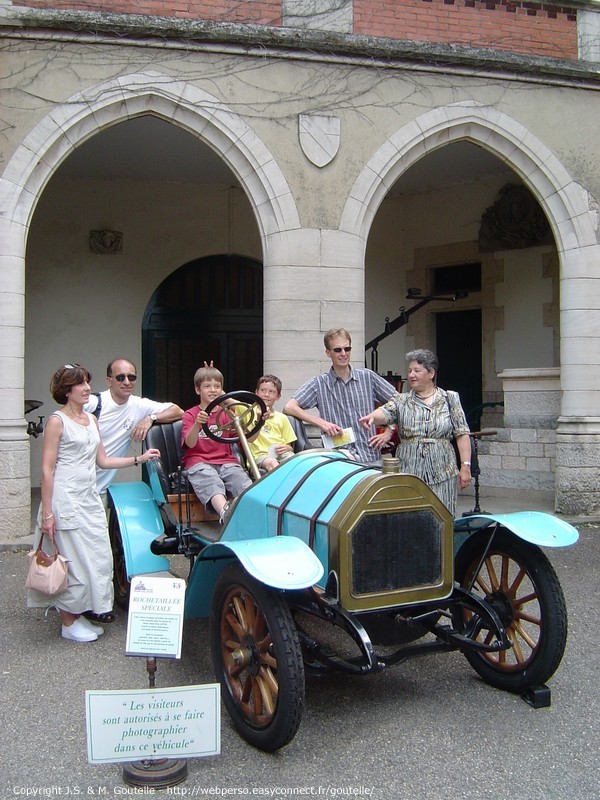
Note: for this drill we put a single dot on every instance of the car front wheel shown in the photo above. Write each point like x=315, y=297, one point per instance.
x=257, y=658
x=519, y=582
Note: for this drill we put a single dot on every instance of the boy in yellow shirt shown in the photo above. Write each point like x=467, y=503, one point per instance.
x=273, y=443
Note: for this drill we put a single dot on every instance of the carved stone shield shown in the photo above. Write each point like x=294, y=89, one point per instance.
x=319, y=137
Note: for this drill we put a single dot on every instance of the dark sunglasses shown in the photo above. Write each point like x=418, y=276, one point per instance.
x=121, y=378
x=341, y=349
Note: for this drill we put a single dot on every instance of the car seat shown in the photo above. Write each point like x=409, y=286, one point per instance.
x=177, y=492
x=301, y=442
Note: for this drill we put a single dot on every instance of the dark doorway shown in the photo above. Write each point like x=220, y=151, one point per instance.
x=458, y=348
x=210, y=309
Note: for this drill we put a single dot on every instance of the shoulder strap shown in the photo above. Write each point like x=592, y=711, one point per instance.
x=98, y=409
x=447, y=398
x=448, y=403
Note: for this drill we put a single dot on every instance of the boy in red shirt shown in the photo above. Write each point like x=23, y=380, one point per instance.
x=212, y=468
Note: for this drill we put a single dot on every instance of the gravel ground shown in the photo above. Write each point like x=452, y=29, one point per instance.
x=426, y=729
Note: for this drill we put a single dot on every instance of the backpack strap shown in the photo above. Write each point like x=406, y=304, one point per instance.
x=98, y=409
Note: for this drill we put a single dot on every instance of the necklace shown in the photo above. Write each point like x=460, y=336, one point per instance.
x=80, y=418
x=425, y=396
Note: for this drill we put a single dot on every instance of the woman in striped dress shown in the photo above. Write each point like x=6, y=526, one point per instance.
x=428, y=419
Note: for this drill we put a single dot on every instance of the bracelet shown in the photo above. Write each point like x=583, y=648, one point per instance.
x=49, y=516
x=135, y=461
x=466, y=463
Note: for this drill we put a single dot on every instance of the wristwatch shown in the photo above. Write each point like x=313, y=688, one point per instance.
x=153, y=418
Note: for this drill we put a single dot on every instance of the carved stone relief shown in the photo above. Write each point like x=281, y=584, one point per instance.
x=319, y=137
x=106, y=242
x=514, y=222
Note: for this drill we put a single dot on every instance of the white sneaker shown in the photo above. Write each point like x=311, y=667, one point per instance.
x=98, y=630
x=78, y=632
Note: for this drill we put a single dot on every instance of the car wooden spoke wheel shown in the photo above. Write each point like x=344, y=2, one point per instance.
x=519, y=582
x=257, y=658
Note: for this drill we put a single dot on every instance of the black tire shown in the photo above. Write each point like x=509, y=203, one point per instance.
x=121, y=582
x=257, y=659
x=520, y=583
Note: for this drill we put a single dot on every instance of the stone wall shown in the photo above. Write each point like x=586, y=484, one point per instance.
x=522, y=455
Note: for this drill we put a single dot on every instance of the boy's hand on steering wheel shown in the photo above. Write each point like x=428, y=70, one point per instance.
x=201, y=417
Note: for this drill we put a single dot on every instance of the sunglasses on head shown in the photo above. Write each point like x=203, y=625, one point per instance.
x=71, y=366
x=131, y=378
x=341, y=349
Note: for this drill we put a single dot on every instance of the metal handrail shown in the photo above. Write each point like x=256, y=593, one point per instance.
x=391, y=326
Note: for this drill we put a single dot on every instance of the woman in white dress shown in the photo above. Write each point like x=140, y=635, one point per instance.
x=71, y=512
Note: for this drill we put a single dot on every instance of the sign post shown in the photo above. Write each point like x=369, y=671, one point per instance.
x=154, y=725
x=151, y=731
x=154, y=626
x=155, y=622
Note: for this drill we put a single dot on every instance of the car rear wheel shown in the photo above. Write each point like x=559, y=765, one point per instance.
x=257, y=658
x=121, y=582
x=519, y=582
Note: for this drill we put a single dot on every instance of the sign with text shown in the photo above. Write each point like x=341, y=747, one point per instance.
x=155, y=622
x=178, y=722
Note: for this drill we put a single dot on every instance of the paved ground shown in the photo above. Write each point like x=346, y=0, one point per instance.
x=426, y=729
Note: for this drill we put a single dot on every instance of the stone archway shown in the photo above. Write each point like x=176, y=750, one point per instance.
x=563, y=201
x=567, y=206
x=26, y=174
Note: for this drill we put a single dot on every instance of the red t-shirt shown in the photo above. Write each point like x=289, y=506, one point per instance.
x=205, y=450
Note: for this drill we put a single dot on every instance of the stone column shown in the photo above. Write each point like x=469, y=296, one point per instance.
x=313, y=281
x=15, y=485
x=578, y=431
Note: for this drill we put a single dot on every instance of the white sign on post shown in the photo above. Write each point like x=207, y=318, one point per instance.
x=155, y=622
x=178, y=722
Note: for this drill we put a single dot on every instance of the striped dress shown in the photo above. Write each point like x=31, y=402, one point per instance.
x=426, y=433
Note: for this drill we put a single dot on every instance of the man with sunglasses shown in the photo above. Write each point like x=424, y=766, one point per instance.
x=123, y=417
x=340, y=395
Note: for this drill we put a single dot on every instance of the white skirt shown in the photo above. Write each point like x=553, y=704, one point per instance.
x=90, y=568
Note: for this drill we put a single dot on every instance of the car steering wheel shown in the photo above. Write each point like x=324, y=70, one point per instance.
x=243, y=417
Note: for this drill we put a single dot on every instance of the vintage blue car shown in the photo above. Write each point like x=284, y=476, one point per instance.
x=329, y=564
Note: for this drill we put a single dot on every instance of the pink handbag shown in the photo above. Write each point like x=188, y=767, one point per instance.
x=48, y=574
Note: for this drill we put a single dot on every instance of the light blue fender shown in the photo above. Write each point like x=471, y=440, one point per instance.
x=536, y=527
x=140, y=523
x=282, y=562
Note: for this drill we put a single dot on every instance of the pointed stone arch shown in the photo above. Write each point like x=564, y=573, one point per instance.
x=569, y=209
x=89, y=112
x=565, y=202
x=33, y=163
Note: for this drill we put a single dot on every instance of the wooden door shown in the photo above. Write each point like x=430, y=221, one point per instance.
x=208, y=310
x=458, y=348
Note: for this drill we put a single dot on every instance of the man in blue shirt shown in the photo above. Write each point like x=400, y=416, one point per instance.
x=343, y=395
